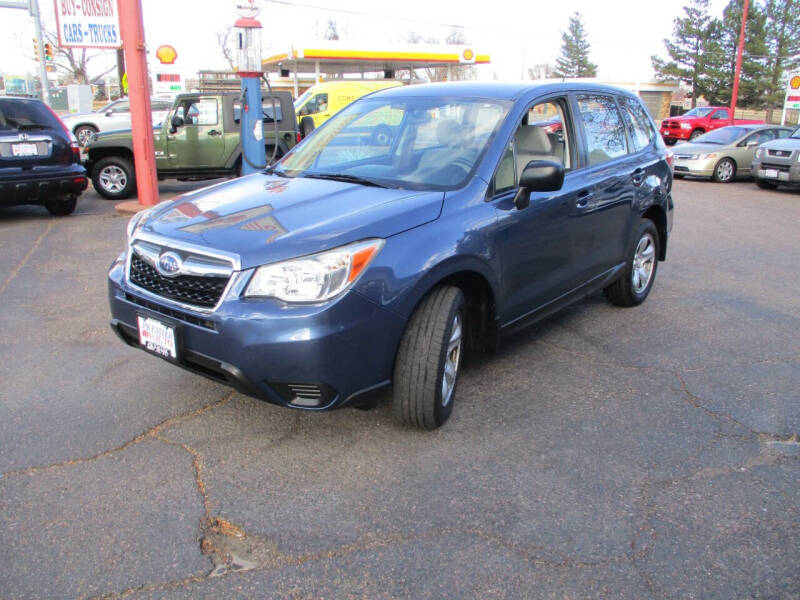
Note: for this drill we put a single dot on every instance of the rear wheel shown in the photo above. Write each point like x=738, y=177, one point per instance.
x=639, y=273
x=114, y=178
x=60, y=206
x=429, y=358
x=724, y=171
x=766, y=185
x=84, y=133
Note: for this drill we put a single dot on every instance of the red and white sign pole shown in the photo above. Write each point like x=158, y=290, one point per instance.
x=735, y=92
x=132, y=32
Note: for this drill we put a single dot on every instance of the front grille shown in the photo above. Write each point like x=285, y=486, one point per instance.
x=168, y=312
x=204, y=292
x=780, y=153
x=674, y=125
x=783, y=168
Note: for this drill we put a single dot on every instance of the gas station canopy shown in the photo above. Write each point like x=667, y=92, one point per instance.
x=334, y=59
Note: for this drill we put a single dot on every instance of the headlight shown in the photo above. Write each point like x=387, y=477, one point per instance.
x=136, y=222
x=686, y=125
x=314, y=278
x=702, y=156
x=759, y=152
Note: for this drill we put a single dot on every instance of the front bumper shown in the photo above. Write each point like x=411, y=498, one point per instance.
x=777, y=171
x=30, y=187
x=675, y=134
x=694, y=168
x=345, y=347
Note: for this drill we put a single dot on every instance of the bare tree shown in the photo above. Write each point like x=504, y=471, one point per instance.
x=224, y=42
x=72, y=64
x=332, y=31
x=541, y=71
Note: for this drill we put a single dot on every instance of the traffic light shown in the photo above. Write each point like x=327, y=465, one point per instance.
x=48, y=52
x=36, y=49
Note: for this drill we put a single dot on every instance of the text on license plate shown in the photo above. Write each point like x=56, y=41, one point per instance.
x=771, y=173
x=24, y=150
x=157, y=337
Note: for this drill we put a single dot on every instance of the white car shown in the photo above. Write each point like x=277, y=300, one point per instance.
x=116, y=115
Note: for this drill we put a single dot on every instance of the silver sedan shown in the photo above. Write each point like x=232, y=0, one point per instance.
x=724, y=153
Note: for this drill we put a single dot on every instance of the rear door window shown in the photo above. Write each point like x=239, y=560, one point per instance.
x=605, y=133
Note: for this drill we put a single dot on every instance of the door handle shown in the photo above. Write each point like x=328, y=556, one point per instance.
x=214, y=132
x=638, y=176
x=583, y=199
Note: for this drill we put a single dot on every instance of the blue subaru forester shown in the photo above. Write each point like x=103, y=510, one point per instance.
x=416, y=223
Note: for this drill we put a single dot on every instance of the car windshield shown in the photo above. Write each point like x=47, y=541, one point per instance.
x=301, y=100
x=413, y=143
x=698, y=112
x=726, y=135
x=25, y=114
x=795, y=133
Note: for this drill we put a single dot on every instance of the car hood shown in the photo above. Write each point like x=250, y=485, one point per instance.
x=264, y=218
x=784, y=144
x=698, y=148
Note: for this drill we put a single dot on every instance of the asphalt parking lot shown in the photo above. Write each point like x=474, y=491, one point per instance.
x=605, y=453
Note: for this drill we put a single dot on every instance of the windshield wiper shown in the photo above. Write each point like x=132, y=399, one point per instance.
x=345, y=177
x=273, y=170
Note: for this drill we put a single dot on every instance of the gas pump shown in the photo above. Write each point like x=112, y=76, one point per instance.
x=248, y=36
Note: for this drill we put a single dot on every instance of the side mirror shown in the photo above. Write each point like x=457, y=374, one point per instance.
x=753, y=143
x=538, y=176
x=306, y=126
x=175, y=123
x=109, y=113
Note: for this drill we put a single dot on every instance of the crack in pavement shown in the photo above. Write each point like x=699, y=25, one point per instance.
x=27, y=256
x=149, y=434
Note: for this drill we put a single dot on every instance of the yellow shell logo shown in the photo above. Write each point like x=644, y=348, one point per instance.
x=468, y=54
x=166, y=55
x=795, y=82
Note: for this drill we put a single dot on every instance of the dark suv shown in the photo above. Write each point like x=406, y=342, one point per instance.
x=360, y=262
x=39, y=157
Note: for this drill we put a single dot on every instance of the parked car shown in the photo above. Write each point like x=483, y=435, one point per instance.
x=323, y=100
x=698, y=121
x=725, y=153
x=778, y=162
x=200, y=139
x=349, y=267
x=39, y=162
x=115, y=115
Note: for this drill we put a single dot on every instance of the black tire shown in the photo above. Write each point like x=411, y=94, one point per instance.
x=103, y=185
x=83, y=133
x=677, y=176
x=696, y=134
x=419, y=370
x=623, y=292
x=724, y=171
x=306, y=126
x=60, y=206
x=766, y=185
x=670, y=141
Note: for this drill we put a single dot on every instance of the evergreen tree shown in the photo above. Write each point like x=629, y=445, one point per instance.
x=574, y=59
x=693, y=49
x=753, y=78
x=783, y=43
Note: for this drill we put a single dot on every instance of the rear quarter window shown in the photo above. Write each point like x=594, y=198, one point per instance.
x=640, y=128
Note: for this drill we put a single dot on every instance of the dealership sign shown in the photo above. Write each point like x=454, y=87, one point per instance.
x=793, y=92
x=88, y=24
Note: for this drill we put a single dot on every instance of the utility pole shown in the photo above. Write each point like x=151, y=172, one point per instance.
x=735, y=92
x=32, y=6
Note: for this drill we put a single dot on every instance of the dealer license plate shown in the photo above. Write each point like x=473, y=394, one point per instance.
x=771, y=173
x=157, y=337
x=24, y=150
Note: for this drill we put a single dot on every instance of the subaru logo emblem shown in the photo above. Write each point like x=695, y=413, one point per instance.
x=169, y=264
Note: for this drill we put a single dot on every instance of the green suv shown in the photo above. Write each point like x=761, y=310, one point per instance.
x=199, y=139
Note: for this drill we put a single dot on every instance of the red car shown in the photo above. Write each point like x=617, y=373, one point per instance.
x=698, y=121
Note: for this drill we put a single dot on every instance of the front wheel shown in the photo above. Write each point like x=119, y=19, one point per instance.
x=429, y=358
x=696, y=134
x=670, y=141
x=114, y=178
x=639, y=273
x=725, y=171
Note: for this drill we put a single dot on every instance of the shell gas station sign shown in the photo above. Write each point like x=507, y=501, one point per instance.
x=793, y=92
